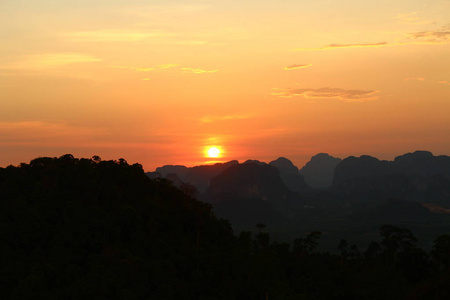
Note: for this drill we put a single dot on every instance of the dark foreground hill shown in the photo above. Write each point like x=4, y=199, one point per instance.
x=90, y=229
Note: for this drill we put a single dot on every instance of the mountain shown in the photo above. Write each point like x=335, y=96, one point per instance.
x=318, y=172
x=88, y=229
x=249, y=192
x=179, y=170
x=249, y=180
x=290, y=175
x=417, y=176
x=198, y=176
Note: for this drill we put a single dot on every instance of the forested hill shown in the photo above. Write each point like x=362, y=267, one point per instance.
x=85, y=228
x=91, y=229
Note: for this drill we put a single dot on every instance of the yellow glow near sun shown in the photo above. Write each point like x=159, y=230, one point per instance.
x=213, y=152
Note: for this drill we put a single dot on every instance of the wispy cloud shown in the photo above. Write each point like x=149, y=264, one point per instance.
x=411, y=18
x=110, y=35
x=50, y=60
x=198, y=71
x=165, y=10
x=414, y=79
x=147, y=69
x=441, y=35
x=433, y=36
x=295, y=67
x=138, y=69
x=333, y=93
x=167, y=66
x=210, y=119
x=337, y=46
x=429, y=81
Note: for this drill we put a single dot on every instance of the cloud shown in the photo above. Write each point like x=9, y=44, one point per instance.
x=333, y=93
x=434, y=36
x=423, y=37
x=167, y=66
x=198, y=71
x=444, y=82
x=337, y=46
x=295, y=67
x=51, y=60
x=411, y=18
x=210, y=119
x=416, y=79
x=147, y=69
x=159, y=37
x=138, y=69
x=165, y=10
x=115, y=35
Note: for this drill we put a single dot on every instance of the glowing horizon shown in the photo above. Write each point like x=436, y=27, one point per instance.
x=157, y=83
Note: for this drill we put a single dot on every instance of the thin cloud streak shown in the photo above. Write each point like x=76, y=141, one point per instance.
x=433, y=36
x=158, y=10
x=138, y=69
x=198, y=71
x=332, y=93
x=337, y=46
x=295, y=67
x=115, y=35
x=210, y=119
x=414, y=79
x=411, y=18
x=165, y=67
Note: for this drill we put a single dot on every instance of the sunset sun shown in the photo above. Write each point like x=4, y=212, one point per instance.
x=213, y=152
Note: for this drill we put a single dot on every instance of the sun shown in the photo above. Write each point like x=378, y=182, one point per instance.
x=213, y=152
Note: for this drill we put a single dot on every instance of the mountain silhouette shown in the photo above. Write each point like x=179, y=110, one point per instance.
x=319, y=171
x=179, y=170
x=290, y=175
x=415, y=175
x=252, y=189
x=198, y=176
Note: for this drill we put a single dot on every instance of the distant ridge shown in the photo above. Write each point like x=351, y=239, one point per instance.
x=319, y=171
x=198, y=176
x=418, y=175
x=290, y=175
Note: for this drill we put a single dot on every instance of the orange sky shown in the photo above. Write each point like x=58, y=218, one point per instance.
x=155, y=82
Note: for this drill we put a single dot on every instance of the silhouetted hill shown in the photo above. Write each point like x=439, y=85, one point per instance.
x=198, y=176
x=417, y=176
x=290, y=175
x=90, y=229
x=253, y=190
x=250, y=180
x=177, y=182
x=319, y=171
x=179, y=170
x=254, y=161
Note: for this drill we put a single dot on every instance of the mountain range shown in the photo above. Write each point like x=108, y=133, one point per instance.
x=328, y=193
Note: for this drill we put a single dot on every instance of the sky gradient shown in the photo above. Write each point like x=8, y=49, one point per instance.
x=156, y=82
